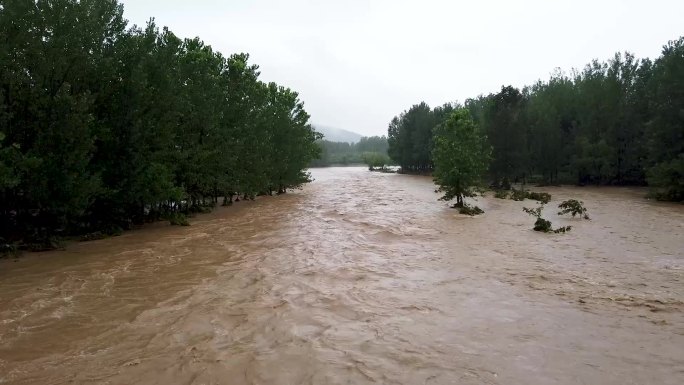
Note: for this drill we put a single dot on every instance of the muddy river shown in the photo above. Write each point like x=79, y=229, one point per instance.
x=359, y=278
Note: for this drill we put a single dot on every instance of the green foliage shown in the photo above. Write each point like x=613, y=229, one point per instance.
x=178, y=219
x=200, y=209
x=544, y=225
x=42, y=241
x=461, y=155
x=8, y=249
x=343, y=153
x=518, y=195
x=375, y=160
x=111, y=231
x=538, y=196
x=105, y=126
x=665, y=132
x=505, y=127
x=573, y=207
x=411, y=136
x=501, y=194
x=667, y=180
x=562, y=230
x=535, y=212
x=521, y=195
x=470, y=210
x=617, y=122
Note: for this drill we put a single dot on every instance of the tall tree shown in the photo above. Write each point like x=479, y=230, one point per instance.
x=410, y=136
x=614, y=122
x=102, y=127
x=461, y=156
x=666, y=135
x=507, y=134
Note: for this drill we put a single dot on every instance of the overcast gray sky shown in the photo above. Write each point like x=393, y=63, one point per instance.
x=358, y=63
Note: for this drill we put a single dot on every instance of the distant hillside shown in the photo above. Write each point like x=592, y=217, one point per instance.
x=337, y=134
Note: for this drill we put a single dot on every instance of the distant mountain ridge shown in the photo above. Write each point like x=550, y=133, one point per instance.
x=337, y=134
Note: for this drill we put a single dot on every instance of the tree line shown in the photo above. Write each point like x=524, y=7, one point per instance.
x=372, y=149
x=618, y=122
x=103, y=125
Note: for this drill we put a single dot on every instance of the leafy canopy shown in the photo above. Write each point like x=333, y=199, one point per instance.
x=461, y=155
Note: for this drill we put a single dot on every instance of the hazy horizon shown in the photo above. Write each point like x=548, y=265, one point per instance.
x=359, y=63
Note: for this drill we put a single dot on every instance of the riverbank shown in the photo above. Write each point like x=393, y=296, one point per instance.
x=69, y=242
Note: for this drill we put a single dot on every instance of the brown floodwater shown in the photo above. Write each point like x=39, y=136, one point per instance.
x=359, y=278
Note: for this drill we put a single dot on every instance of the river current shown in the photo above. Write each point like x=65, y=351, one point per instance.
x=359, y=278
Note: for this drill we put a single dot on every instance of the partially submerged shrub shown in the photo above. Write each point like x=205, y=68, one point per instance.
x=228, y=200
x=501, y=194
x=573, y=207
x=562, y=230
x=8, y=249
x=114, y=231
x=666, y=180
x=521, y=195
x=536, y=212
x=539, y=196
x=518, y=195
x=470, y=210
x=93, y=236
x=385, y=170
x=178, y=219
x=544, y=225
x=43, y=243
x=107, y=231
x=505, y=184
x=201, y=209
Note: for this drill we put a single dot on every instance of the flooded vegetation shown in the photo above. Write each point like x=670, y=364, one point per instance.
x=359, y=278
x=106, y=125
x=206, y=256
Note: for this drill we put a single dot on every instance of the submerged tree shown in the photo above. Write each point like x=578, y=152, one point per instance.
x=544, y=225
x=461, y=156
x=574, y=208
x=375, y=160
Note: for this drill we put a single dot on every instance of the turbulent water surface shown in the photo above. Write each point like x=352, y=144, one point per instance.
x=359, y=278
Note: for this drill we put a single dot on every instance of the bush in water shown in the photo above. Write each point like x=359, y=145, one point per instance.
x=544, y=225
x=573, y=207
x=469, y=210
x=501, y=194
x=521, y=195
x=178, y=219
x=539, y=196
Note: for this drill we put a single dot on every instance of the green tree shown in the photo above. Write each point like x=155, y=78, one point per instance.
x=666, y=134
x=461, y=156
x=103, y=126
x=332, y=153
x=375, y=160
x=614, y=122
x=507, y=134
x=410, y=136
